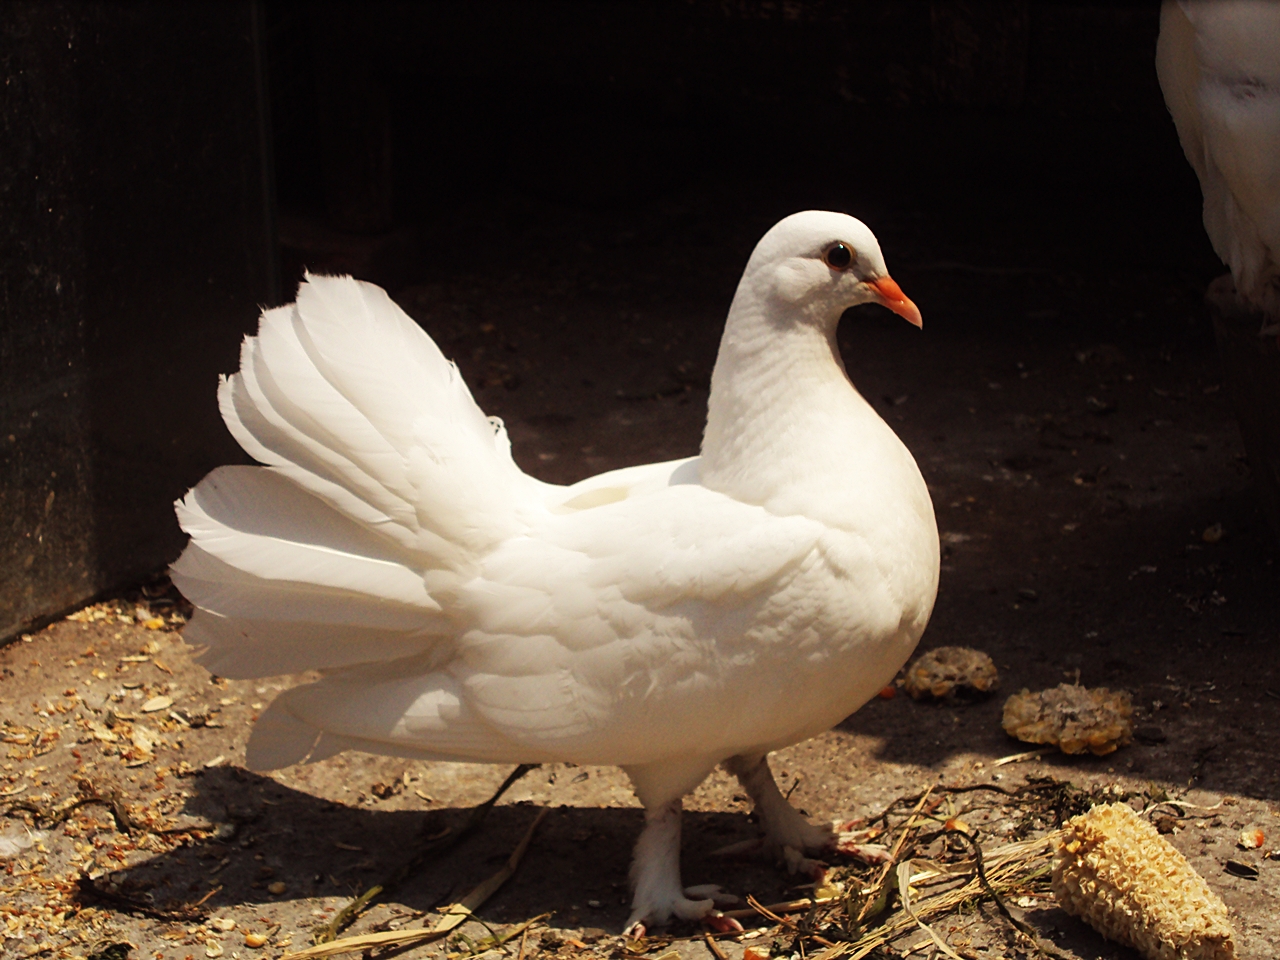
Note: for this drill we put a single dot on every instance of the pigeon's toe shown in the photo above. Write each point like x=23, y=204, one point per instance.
x=718, y=922
x=797, y=862
x=713, y=891
x=658, y=913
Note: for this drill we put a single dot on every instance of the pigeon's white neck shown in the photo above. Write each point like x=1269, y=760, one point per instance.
x=782, y=414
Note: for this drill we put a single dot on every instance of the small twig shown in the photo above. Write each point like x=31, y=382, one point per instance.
x=904, y=894
x=434, y=847
x=88, y=794
x=1184, y=804
x=714, y=947
x=772, y=910
x=386, y=924
x=768, y=914
x=1017, y=758
x=347, y=915
x=201, y=901
x=86, y=886
x=955, y=788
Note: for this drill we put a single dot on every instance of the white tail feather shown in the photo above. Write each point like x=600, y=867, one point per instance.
x=381, y=708
x=211, y=584
x=261, y=523
x=382, y=477
x=364, y=411
x=280, y=739
x=241, y=648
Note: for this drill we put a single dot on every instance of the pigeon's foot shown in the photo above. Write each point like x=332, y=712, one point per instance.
x=788, y=837
x=655, y=872
x=718, y=922
x=797, y=862
x=715, y=920
x=853, y=838
x=686, y=909
x=786, y=829
x=659, y=914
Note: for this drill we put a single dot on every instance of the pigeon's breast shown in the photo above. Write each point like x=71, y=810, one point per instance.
x=706, y=677
x=828, y=642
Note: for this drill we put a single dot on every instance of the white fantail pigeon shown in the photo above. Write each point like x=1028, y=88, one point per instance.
x=665, y=618
x=1219, y=67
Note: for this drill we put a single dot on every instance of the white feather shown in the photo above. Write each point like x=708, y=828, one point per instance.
x=241, y=647
x=1219, y=66
x=258, y=522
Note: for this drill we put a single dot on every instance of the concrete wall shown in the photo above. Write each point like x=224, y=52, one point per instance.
x=136, y=242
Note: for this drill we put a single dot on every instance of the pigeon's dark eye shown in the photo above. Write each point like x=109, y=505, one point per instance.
x=838, y=256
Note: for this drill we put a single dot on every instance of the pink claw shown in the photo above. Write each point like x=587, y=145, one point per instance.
x=872, y=853
x=718, y=922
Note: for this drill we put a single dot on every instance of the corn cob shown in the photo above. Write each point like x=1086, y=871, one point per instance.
x=1114, y=871
x=947, y=670
x=1072, y=717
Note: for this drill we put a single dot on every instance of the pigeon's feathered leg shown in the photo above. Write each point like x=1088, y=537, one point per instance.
x=788, y=835
x=655, y=873
x=655, y=869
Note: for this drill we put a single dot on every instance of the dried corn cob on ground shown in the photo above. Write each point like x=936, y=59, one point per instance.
x=1114, y=871
x=948, y=670
x=1072, y=718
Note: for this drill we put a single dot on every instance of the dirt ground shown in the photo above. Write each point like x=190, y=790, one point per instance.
x=1097, y=520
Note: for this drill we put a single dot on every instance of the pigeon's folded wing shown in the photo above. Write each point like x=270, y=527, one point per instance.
x=584, y=637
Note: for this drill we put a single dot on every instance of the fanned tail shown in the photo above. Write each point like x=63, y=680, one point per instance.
x=383, y=484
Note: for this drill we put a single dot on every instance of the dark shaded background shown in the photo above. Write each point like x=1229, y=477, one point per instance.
x=491, y=161
x=135, y=243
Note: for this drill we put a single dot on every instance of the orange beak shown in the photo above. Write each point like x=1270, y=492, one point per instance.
x=891, y=295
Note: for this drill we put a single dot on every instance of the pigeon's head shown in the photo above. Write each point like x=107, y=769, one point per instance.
x=819, y=264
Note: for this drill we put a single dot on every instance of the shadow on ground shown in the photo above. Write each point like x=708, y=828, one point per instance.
x=264, y=833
